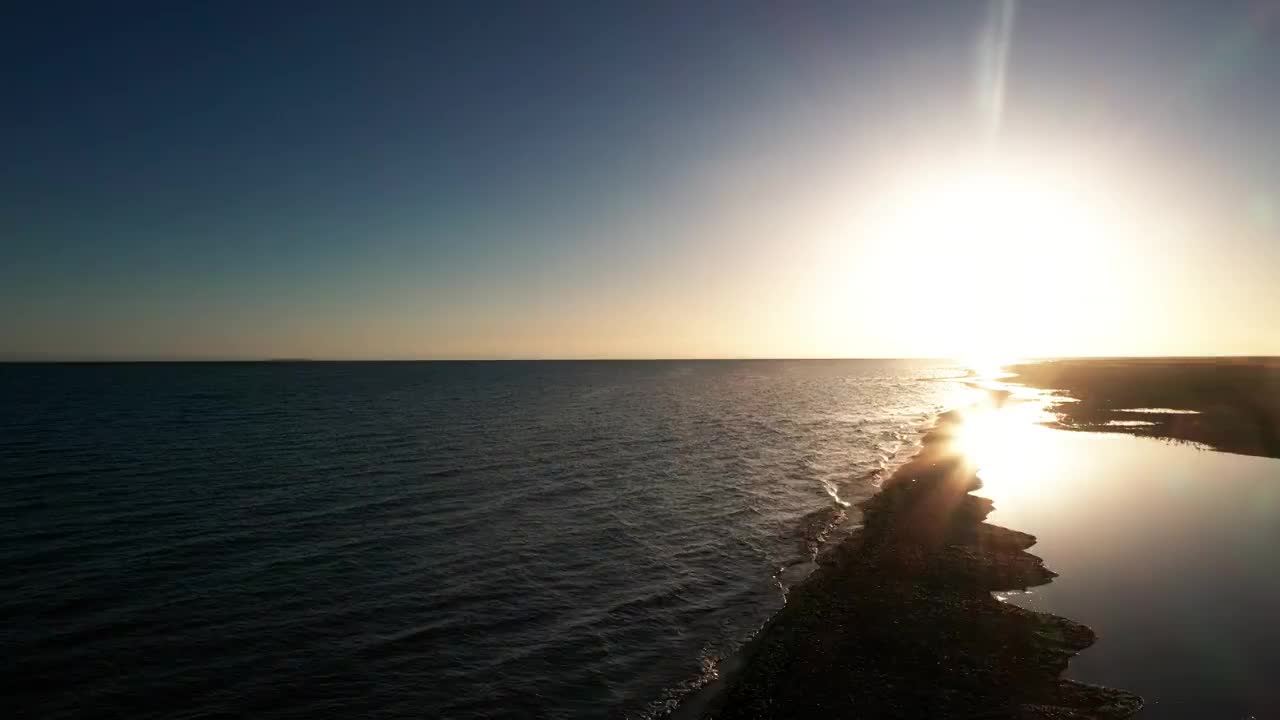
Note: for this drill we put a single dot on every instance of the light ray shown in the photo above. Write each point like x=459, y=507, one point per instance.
x=993, y=65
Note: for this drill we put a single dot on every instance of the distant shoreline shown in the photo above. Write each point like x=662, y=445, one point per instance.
x=1227, y=404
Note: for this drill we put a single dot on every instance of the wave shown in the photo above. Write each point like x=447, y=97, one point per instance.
x=601, y=536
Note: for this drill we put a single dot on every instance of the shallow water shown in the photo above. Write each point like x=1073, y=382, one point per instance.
x=418, y=539
x=1168, y=551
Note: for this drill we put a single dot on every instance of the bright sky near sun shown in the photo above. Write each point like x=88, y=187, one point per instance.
x=973, y=179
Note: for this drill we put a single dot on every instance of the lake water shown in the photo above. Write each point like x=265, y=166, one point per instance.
x=1170, y=552
x=419, y=539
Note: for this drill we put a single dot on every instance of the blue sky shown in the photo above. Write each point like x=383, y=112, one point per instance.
x=396, y=180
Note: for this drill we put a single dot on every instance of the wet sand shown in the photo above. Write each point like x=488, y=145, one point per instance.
x=899, y=620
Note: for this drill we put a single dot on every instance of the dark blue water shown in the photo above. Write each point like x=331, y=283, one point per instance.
x=418, y=539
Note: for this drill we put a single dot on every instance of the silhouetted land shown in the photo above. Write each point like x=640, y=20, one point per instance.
x=899, y=620
x=1236, y=400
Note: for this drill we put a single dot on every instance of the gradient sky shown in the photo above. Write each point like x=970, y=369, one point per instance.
x=494, y=179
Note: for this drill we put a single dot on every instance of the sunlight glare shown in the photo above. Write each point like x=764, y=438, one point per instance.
x=1005, y=246
x=1005, y=442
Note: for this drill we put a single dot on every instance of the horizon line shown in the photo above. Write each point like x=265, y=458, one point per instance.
x=286, y=360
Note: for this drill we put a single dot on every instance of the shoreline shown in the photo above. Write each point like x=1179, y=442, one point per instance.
x=899, y=620
x=1225, y=404
x=695, y=702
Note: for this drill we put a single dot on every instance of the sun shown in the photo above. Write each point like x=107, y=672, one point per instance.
x=997, y=245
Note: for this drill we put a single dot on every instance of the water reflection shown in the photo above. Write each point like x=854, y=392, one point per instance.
x=1166, y=550
x=1002, y=437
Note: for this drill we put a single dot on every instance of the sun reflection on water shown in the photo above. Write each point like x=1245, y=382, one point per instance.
x=1003, y=437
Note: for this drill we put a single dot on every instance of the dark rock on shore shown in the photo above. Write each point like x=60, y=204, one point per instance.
x=899, y=620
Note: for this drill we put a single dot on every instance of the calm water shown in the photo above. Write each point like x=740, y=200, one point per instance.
x=1168, y=551
x=418, y=539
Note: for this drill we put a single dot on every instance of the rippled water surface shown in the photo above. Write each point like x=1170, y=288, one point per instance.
x=419, y=539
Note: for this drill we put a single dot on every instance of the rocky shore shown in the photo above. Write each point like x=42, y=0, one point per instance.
x=899, y=620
